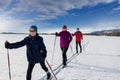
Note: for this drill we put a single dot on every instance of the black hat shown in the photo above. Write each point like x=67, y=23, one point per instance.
x=64, y=27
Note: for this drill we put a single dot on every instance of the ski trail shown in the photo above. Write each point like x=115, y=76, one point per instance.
x=60, y=67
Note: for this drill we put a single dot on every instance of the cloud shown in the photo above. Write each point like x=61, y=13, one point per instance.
x=106, y=25
x=46, y=9
x=4, y=4
x=7, y=23
x=95, y=2
x=39, y=10
x=116, y=9
x=50, y=9
x=118, y=1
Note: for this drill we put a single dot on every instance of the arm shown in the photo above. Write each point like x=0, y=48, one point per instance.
x=17, y=44
x=73, y=34
x=43, y=49
x=58, y=34
x=70, y=38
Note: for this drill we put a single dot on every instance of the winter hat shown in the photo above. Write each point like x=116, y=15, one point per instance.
x=33, y=28
x=64, y=27
x=77, y=28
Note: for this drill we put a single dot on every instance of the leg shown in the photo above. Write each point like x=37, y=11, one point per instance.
x=29, y=71
x=42, y=63
x=80, y=47
x=76, y=47
x=64, y=56
x=45, y=69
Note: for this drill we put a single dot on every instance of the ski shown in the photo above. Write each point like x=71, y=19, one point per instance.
x=60, y=67
x=68, y=61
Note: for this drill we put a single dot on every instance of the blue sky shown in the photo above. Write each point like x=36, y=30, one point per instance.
x=50, y=15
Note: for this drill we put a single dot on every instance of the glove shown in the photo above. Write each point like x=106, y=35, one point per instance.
x=72, y=34
x=56, y=33
x=69, y=41
x=7, y=44
x=44, y=55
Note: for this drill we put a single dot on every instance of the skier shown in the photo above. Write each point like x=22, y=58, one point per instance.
x=78, y=37
x=65, y=39
x=36, y=51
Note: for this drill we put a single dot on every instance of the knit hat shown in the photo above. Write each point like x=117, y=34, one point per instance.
x=64, y=27
x=77, y=28
x=33, y=27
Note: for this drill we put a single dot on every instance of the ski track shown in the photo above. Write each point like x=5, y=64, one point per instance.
x=60, y=67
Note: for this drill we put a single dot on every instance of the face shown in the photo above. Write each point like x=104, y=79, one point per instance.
x=63, y=29
x=32, y=33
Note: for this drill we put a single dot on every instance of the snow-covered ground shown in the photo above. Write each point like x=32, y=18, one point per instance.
x=100, y=60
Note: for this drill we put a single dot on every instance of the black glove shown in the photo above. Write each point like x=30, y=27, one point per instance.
x=56, y=33
x=44, y=55
x=69, y=41
x=72, y=34
x=7, y=44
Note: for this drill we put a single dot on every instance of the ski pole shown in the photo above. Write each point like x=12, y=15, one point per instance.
x=85, y=44
x=71, y=48
x=51, y=70
x=82, y=43
x=54, y=49
x=9, y=64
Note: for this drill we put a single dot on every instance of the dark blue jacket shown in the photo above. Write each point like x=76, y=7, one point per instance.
x=35, y=48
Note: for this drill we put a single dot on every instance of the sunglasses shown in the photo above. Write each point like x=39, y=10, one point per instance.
x=31, y=30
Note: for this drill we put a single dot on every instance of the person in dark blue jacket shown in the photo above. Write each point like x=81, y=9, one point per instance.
x=36, y=51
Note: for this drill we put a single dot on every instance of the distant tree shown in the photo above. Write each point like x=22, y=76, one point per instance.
x=114, y=34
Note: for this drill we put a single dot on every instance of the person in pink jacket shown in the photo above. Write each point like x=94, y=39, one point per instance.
x=65, y=39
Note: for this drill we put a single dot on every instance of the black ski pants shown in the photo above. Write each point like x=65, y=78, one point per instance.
x=30, y=69
x=64, y=56
x=78, y=43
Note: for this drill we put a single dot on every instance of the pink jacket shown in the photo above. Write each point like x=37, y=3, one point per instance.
x=65, y=39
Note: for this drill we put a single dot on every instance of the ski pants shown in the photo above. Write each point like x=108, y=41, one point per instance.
x=78, y=43
x=30, y=68
x=64, y=56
